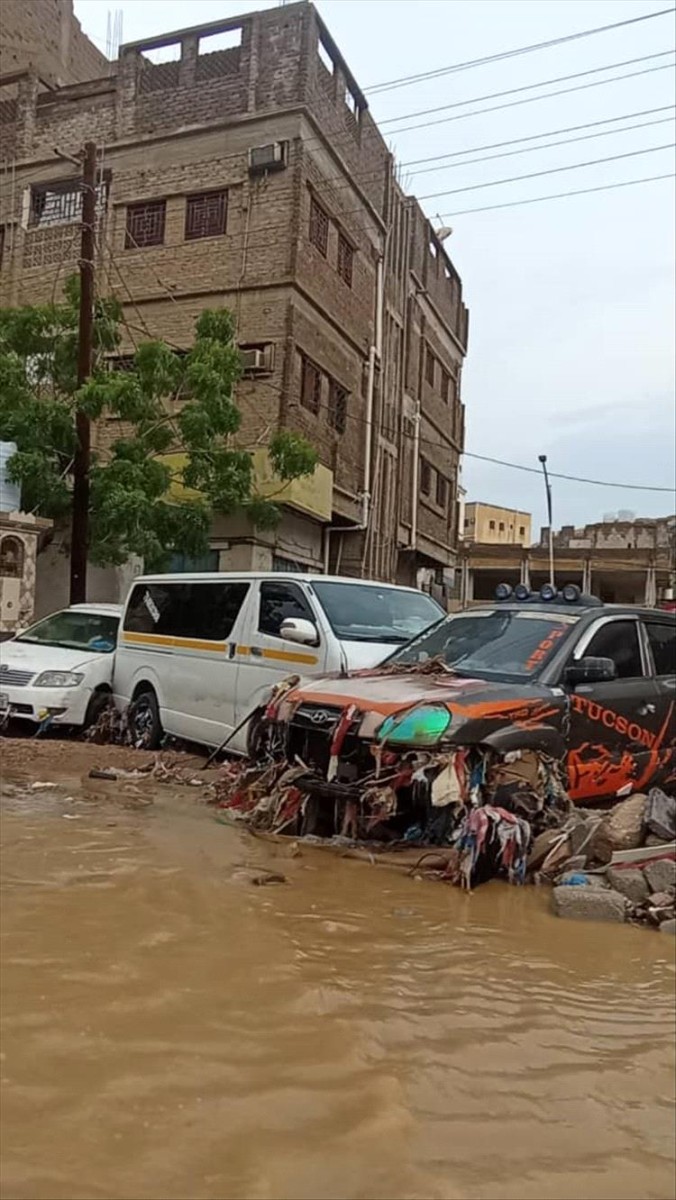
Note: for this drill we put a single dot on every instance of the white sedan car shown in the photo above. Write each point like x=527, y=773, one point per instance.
x=61, y=668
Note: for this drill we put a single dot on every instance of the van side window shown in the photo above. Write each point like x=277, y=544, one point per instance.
x=662, y=640
x=618, y=640
x=194, y=610
x=281, y=602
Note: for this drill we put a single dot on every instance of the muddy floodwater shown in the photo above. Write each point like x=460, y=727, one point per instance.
x=170, y=1030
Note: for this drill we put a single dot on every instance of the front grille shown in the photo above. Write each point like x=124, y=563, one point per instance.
x=11, y=677
x=320, y=717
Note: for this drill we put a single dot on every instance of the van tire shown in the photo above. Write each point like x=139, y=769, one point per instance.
x=144, y=719
x=98, y=702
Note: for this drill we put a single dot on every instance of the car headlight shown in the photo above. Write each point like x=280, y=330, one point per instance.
x=421, y=726
x=58, y=679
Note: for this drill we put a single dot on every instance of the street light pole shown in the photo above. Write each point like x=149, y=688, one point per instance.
x=548, y=487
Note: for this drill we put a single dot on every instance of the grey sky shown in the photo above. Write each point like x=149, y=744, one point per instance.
x=572, y=300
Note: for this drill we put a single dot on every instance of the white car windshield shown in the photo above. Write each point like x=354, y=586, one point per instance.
x=498, y=643
x=376, y=614
x=75, y=631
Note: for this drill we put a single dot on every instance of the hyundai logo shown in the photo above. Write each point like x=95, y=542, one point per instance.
x=318, y=716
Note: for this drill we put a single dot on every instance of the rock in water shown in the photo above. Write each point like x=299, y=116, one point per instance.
x=622, y=829
x=589, y=904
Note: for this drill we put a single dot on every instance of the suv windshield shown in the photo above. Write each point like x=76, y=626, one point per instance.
x=75, y=631
x=496, y=643
x=376, y=614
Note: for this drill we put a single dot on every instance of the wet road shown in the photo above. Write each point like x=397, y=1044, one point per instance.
x=168, y=1030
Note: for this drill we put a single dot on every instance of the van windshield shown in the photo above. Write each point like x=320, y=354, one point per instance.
x=75, y=630
x=376, y=614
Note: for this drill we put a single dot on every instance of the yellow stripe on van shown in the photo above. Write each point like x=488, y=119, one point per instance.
x=290, y=657
x=178, y=643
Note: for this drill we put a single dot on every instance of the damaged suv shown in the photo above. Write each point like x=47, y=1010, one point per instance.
x=515, y=707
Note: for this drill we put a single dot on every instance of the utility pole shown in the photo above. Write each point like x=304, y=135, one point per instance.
x=542, y=458
x=80, y=523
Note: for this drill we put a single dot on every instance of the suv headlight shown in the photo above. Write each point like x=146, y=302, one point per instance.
x=421, y=726
x=58, y=679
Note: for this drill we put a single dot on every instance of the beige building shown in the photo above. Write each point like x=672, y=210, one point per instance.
x=46, y=36
x=253, y=177
x=489, y=523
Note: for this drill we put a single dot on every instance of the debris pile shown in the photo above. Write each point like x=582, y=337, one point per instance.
x=481, y=811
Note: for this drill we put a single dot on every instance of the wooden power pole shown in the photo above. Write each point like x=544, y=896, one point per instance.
x=80, y=523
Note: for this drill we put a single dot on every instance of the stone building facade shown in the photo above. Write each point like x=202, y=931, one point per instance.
x=253, y=177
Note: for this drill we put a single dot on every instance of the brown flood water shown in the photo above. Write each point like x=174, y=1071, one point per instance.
x=168, y=1030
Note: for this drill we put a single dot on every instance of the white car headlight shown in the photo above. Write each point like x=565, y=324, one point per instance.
x=58, y=679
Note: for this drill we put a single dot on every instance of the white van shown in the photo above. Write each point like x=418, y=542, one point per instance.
x=197, y=653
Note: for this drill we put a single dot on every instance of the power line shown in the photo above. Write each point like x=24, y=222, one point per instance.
x=604, y=187
x=407, y=80
x=527, y=87
x=593, y=162
x=632, y=487
x=580, y=87
x=546, y=145
x=646, y=112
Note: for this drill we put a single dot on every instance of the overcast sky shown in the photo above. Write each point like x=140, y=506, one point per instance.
x=571, y=300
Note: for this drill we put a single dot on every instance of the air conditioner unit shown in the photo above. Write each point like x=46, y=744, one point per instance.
x=267, y=158
x=257, y=359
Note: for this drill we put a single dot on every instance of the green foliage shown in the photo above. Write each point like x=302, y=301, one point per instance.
x=168, y=403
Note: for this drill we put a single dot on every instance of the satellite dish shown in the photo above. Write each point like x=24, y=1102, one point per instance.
x=444, y=232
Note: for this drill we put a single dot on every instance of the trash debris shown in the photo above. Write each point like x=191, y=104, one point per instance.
x=42, y=787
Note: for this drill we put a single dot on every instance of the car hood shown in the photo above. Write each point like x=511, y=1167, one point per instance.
x=28, y=656
x=386, y=694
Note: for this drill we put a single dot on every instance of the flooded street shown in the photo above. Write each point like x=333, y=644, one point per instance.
x=168, y=1030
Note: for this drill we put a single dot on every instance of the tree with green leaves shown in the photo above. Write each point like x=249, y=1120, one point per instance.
x=166, y=403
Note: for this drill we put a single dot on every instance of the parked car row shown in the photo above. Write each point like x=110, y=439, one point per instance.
x=590, y=684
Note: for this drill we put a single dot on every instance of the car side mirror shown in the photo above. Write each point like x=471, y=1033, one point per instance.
x=591, y=670
x=296, y=629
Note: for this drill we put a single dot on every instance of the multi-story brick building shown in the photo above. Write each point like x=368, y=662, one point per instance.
x=254, y=177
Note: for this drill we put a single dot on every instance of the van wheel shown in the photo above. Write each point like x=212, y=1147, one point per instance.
x=144, y=721
x=98, y=703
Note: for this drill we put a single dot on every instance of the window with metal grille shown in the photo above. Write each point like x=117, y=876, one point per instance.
x=319, y=227
x=205, y=215
x=338, y=397
x=425, y=477
x=445, y=385
x=345, y=260
x=311, y=386
x=55, y=203
x=442, y=492
x=145, y=224
x=430, y=363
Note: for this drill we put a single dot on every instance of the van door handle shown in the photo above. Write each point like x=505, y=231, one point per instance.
x=646, y=710
x=232, y=647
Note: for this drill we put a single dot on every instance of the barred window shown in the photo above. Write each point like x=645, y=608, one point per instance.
x=442, y=492
x=145, y=224
x=425, y=477
x=319, y=227
x=345, y=260
x=206, y=215
x=55, y=203
x=445, y=385
x=311, y=386
x=338, y=397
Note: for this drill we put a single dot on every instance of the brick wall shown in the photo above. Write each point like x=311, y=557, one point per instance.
x=45, y=34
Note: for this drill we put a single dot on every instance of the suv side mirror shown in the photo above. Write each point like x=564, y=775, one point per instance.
x=591, y=670
x=296, y=629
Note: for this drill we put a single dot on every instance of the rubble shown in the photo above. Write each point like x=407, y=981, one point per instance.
x=661, y=875
x=622, y=829
x=630, y=881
